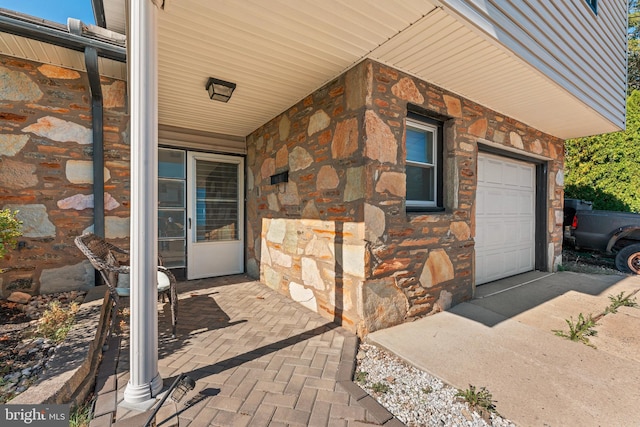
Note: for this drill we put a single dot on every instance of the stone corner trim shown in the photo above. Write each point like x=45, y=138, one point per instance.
x=381, y=143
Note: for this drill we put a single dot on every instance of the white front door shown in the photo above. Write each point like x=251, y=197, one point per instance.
x=215, y=215
x=505, y=218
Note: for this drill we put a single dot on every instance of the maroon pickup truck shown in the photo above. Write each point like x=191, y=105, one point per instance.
x=606, y=231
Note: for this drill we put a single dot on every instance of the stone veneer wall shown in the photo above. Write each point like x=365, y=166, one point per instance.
x=305, y=238
x=337, y=237
x=423, y=263
x=46, y=171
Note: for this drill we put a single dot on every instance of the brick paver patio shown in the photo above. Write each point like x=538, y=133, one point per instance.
x=259, y=359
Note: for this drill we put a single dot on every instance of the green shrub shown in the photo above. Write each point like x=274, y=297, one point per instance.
x=605, y=169
x=10, y=230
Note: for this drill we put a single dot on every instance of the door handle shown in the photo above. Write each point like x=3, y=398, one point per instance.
x=189, y=223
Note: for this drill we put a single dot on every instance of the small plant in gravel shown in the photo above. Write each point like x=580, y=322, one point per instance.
x=361, y=376
x=427, y=390
x=579, y=331
x=56, y=321
x=620, y=300
x=480, y=400
x=379, y=387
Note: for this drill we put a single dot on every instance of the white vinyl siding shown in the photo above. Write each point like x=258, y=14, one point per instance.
x=579, y=50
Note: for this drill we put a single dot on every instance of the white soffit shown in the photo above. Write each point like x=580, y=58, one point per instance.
x=442, y=50
x=115, y=15
x=279, y=51
x=33, y=50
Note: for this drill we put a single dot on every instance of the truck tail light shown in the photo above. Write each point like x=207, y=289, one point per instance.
x=574, y=223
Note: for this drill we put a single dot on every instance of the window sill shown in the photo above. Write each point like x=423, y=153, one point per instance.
x=422, y=211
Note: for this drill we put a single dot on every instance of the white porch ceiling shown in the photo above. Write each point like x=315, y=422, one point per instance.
x=279, y=51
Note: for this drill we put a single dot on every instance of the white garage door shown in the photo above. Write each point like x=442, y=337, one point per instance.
x=505, y=218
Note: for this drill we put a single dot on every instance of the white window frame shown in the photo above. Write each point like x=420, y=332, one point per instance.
x=422, y=126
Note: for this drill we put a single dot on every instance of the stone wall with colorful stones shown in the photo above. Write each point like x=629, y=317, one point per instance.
x=305, y=237
x=344, y=149
x=46, y=172
x=424, y=263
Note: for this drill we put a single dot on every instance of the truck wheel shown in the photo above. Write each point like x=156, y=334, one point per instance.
x=628, y=259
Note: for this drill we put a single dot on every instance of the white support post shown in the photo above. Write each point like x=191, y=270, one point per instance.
x=145, y=381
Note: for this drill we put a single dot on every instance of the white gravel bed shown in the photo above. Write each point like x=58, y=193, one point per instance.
x=415, y=397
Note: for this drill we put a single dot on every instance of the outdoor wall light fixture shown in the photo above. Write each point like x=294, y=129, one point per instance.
x=280, y=181
x=219, y=90
x=280, y=178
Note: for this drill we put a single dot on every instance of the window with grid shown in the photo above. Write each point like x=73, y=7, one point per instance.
x=423, y=164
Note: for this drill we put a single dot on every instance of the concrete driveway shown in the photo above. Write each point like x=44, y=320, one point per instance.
x=503, y=340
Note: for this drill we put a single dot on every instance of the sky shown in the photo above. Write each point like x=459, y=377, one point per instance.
x=53, y=10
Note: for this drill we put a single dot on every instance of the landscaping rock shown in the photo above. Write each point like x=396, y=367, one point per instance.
x=19, y=297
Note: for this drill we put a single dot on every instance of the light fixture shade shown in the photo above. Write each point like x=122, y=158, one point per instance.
x=219, y=90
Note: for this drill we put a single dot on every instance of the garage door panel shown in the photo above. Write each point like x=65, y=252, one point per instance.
x=494, y=235
x=526, y=177
x=505, y=218
x=492, y=262
x=493, y=202
x=525, y=203
x=511, y=230
x=492, y=172
x=510, y=175
x=525, y=257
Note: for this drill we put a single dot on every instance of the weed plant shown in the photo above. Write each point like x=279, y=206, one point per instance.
x=480, y=399
x=579, y=331
x=379, y=387
x=80, y=416
x=56, y=321
x=361, y=376
x=620, y=300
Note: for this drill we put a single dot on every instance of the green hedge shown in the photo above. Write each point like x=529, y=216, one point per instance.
x=605, y=169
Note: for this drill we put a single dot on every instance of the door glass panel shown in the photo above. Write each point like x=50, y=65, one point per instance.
x=216, y=201
x=172, y=207
x=170, y=193
x=173, y=253
x=171, y=223
x=171, y=163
